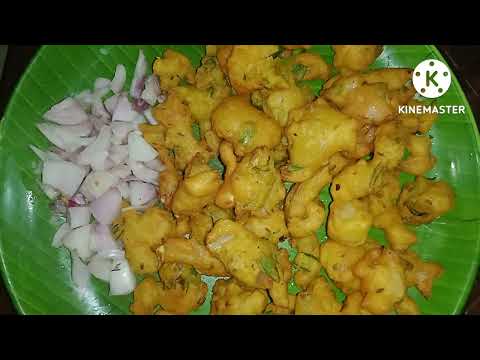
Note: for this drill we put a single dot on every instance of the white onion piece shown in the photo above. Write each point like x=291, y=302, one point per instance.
x=102, y=164
x=122, y=279
x=78, y=216
x=98, y=150
x=138, y=76
x=139, y=149
x=97, y=183
x=99, y=110
x=124, y=110
x=100, y=267
x=124, y=190
x=50, y=191
x=80, y=273
x=150, y=119
x=62, y=138
x=156, y=165
x=121, y=171
x=60, y=234
x=67, y=112
x=79, y=199
x=120, y=131
x=118, y=153
x=102, y=239
x=79, y=240
x=152, y=90
x=119, y=78
x=46, y=155
x=85, y=98
x=83, y=129
x=141, y=193
x=99, y=122
x=101, y=83
x=111, y=103
x=63, y=176
x=112, y=254
x=142, y=172
x=107, y=207
x=139, y=119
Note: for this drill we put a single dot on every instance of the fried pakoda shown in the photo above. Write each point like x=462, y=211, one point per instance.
x=304, y=211
x=349, y=222
x=256, y=184
x=417, y=122
x=141, y=233
x=198, y=188
x=200, y=224
x=420, y=159
x=355, y=57
x=172, y=68
x=424, y=200
x=279, y=290
x=188, y=251
x=179, y=139
x=317, y=299
x=230, y=298
x=316, y=129
x=353, y=305
x=382, y=280
x=407, y=307
x=338, y=260
x=252, y=67
x=419, y=273
x=237, y=121
x=307, y=260
x=246, y=257
x=271, y=227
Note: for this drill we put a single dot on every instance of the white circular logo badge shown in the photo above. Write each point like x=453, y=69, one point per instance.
x=431, y=78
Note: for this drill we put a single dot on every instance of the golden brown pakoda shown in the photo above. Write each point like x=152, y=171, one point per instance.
x=338, y=260
x=419, y=273
x=198, y=188
x=279, y=290
x=246, y=256
x=190, y=252
x=353, y=305
x=382, y=280
x=355, y=57
x=230, y=298
x=349, y=222
x=420, y=159
x=179, y=138
x=271, y=227
x=307, y=260
x=237, y=121
x=407, y=307
x=252, y=67
x=172, y=68
x=317, y=299
x=141, y=233
x=200, y=224
x=316, y=129
x=424, y=200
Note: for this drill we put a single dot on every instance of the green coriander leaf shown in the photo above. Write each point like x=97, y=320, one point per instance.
x=216, y=164
x=294, y=167
x=368, y=157
x=288, y=185
x=299, y=71
x=268, y=267
x=406, y=154
x=196, y=132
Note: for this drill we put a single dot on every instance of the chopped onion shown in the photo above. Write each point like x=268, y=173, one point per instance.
x=102, y=164
x=60, y=234
x=102, y=239
x=148, y=115
x=99, y=122
x=62, y=138
x=152, y=90
x=79, y=240
x=139, y=149
x=140, y=105
x=124, y=190
x=142, y=172
x=122, y=279
x=63, y=176
x=78, y=216
x=101, y=83
x=99, y=110
x=77, y=200
x=100, y=267
x=124, y=110
x=121, y=171
x=67, y=112
x=111, y=103
x=107, y=207
x=156, y=165
x=118, y=153
x=138, y=76
x=112, y=254
x=80, y=273
x=141, y=193
x=85, y=98
x=118, y=80
x=83, y=129
x=120, y=131
x=98, y=150
x=46, y=155
x=50, y=191
x=97, y=183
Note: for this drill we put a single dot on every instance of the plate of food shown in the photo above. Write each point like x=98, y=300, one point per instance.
x=238, y=179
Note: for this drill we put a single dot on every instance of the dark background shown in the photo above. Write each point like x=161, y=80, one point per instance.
x=463, y=60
